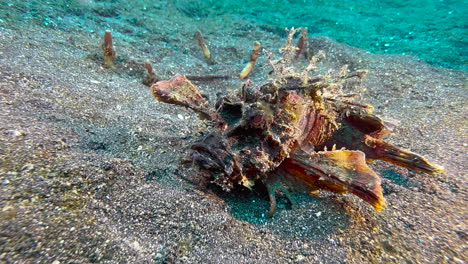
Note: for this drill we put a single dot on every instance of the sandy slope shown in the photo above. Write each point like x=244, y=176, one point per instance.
x=90, y=163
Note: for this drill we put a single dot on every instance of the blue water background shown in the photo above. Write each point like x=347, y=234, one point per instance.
x=432, y=30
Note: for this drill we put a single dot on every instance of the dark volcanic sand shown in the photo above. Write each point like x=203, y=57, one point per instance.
x=90, y=163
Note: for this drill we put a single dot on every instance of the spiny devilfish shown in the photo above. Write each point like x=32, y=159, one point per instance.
x=285, y=133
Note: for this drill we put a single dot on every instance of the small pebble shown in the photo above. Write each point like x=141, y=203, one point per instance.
x=318, y=214
x=181, y=117
x=17, y=133
x=27, y=167
x=300, y=258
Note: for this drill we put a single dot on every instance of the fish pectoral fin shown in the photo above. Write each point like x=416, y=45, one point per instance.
x=401, y=157
x=338, y=171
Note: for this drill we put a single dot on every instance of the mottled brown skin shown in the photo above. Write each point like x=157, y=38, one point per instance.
x=285, y=134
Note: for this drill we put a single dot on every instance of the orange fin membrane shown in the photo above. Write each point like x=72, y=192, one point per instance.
x=338, y=171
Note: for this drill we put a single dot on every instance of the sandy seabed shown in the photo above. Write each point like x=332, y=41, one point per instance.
x=90, y=163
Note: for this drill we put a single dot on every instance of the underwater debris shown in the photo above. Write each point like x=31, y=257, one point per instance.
x=297, y=131
x=253, y=58
x=109, y=52
x=206, y=51
x=151, y=76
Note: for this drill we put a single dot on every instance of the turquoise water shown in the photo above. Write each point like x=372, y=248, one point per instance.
x=435, y=31
x=432, y=30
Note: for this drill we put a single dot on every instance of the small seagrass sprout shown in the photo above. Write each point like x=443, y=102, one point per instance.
x=297, y=131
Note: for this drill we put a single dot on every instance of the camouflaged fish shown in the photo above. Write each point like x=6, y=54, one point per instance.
x=297, y=131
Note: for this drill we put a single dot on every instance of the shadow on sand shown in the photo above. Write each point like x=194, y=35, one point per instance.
x=311, y=217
